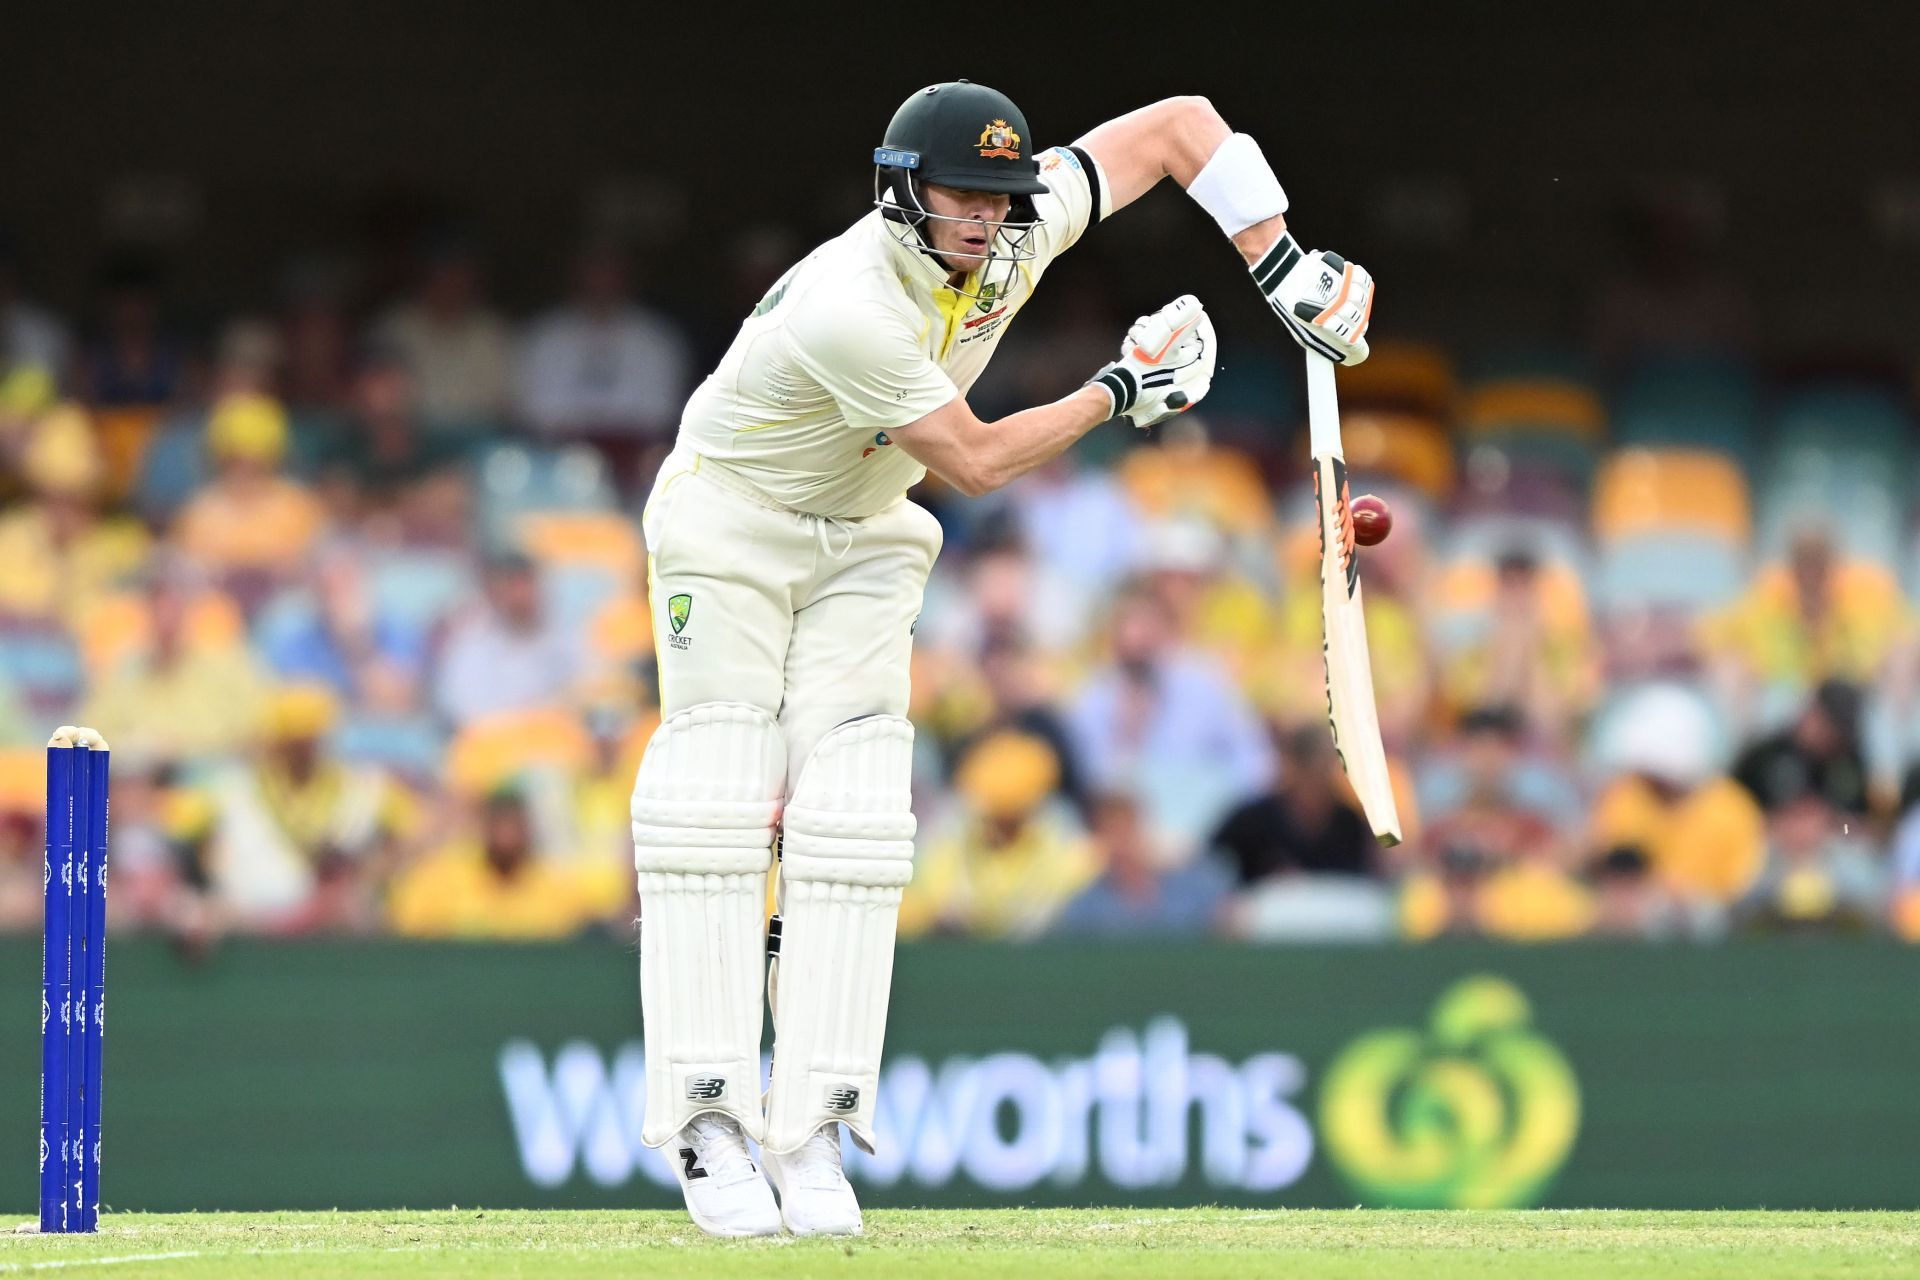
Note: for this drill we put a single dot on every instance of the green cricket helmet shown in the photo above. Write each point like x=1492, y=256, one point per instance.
x=964, y=135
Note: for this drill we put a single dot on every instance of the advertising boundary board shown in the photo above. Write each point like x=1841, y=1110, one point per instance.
x=387, y=1074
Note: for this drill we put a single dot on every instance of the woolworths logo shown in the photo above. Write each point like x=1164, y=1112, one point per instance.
x=1476, y=1111
x=1143, y=1110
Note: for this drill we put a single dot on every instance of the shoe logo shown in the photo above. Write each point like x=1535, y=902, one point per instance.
x=843, y=1098
x=690, y=1164
x=706, y=1088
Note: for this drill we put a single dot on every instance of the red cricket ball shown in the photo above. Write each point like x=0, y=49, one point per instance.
x=1372, y=520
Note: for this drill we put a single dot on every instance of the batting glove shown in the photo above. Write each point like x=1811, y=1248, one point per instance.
x=1324, y=300
x=1165, y=365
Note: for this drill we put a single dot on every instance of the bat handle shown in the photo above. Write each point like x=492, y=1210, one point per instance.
x=1323, y=407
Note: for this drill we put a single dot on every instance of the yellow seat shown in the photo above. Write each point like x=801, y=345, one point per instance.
x=1199, y=479
x=1411, y=448
x=121, y=625
x=495, y=749
x=1547, y=405
x=23, y=779
x=1650, y=491
x=583, y=537
x=1407, y=376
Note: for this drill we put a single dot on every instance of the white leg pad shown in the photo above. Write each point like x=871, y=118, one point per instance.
x=704, y=808
x=846, y=851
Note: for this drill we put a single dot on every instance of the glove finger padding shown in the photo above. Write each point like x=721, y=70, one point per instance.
x=1165, y=365
x=1325, y=301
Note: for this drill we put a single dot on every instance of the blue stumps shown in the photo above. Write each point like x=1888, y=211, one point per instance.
x=73, y=989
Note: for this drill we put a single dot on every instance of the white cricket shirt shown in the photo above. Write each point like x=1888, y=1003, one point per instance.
x=861, y=337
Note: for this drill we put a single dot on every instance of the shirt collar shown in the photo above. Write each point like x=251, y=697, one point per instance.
x=915, y=268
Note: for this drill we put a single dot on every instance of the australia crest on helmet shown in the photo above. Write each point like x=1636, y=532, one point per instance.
x=999, y=139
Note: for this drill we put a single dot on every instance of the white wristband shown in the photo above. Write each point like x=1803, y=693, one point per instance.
x=1237, y=186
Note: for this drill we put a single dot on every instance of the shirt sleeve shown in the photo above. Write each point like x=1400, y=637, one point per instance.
x=871, y=361
x=1076, y=197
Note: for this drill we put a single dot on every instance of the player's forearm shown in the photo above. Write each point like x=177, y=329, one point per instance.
x=1174, y=138
x=1325, y=301
x=1019, y=442
x=1254, y=242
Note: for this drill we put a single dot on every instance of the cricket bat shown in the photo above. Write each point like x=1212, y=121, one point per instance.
x=1350, y=707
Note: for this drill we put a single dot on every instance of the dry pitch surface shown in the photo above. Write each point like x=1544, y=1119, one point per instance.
x=1068, y=1243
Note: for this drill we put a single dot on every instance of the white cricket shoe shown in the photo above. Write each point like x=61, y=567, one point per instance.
x=725, y=1193
x=815, y=1197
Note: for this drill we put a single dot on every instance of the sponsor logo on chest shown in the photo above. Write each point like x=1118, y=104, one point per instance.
x=989, y=311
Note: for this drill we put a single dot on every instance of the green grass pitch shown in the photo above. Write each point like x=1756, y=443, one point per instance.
x=1070, y=1243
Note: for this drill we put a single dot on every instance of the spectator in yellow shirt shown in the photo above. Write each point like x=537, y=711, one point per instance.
x=1815, y=619
x=1008, y=861
x=1288, y=679
x=1527, y=898
x=252, y=523
x=177, y=696
x=296, y=838
x=492, y=883
x=1531, y=656
x=57, y=554
x=1499, y=866
x=1699, y=830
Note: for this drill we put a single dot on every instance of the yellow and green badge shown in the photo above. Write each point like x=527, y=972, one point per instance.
x=1479, y=1111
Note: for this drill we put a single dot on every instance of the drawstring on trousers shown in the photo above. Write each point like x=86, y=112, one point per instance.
x=839, y=523
x=824, y=528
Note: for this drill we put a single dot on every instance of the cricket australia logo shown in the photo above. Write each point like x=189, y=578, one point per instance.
x=679, y=608
x=999, y=139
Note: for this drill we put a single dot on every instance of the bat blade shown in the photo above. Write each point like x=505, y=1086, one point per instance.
x=1352, y=713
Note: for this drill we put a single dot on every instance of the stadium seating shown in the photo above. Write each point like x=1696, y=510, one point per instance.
x=1692, y=402
x=1685, y=572
x=43, y=666
x=1405, y=377
x=1409, y=447
x=1650, y=491
x=421, y=586
x=1840, y=449
x=498, y=748
x=1544, y=406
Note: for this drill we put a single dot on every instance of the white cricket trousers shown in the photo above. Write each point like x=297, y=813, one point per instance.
x=808, y=617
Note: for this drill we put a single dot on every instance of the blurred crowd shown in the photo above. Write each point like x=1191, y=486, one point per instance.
x=354, y=587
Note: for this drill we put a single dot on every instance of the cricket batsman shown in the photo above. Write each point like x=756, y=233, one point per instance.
x=787, y=569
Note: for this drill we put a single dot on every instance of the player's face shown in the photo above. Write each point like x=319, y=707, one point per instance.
x=964, y=244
